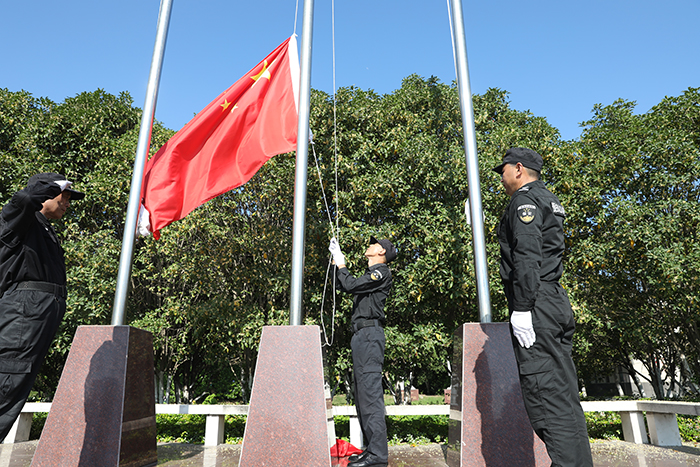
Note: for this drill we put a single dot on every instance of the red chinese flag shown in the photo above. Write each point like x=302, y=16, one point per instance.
x=225, y=144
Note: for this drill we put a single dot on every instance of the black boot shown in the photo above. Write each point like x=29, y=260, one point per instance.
x=369, y=460
x=357, y=457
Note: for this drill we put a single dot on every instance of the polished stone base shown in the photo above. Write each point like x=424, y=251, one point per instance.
x=103, y=413
x=287, y=415
x=488, y=422
x=605, y=454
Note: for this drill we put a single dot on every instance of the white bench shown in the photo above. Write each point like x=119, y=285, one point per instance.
x=216, y=417
x=356, y=431
x=213, y=433
x=660, y=416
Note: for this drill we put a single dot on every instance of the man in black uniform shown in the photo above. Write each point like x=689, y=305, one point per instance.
x=32, y=286
x=368, y=341
x=531, y=236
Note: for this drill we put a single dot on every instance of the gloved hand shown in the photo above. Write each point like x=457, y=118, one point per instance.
x=522, y=328
x=63, y=184
x=338, y=256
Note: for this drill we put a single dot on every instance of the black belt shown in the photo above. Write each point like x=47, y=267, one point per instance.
x=366, y=323
x=58, y=290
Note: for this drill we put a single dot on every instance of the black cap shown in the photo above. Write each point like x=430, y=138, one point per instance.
x=527, y=157
x=390, y=254
x=54, y=177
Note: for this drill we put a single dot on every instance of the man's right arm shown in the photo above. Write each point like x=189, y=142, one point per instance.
x=20, y=212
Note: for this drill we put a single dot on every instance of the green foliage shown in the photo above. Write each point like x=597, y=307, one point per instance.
x=401, y=430
x=417, y=429
x=181, y=428
x=402, y=174
x=206, y=289
x=190, y=428
x=689, y=427
x=604, y=425
x=632, y=185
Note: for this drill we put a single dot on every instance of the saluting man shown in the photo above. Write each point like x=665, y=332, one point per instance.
x=531, y=237
x=370, y=292
x=32, y=286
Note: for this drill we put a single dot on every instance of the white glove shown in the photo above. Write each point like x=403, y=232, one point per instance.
x=338, y=256
x=522, y=328
x=64, y=184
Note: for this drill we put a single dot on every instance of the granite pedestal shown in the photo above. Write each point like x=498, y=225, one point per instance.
x=488, y=423
x=103, y=413
x=287, y=414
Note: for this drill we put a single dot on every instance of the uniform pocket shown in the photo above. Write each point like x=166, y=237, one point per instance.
x=533, y=367
x=15, y=365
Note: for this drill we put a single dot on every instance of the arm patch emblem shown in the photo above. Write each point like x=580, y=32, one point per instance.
x=376, y=275
x=526, y=212
x=558, y=209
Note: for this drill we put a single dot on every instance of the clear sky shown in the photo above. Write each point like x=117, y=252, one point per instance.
x=555, y=58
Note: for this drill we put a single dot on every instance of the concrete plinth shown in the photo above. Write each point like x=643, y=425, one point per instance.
x=287, y=416
x=103, y=412
x=488, y=423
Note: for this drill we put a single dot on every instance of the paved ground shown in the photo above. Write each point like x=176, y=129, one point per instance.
x=605, y=454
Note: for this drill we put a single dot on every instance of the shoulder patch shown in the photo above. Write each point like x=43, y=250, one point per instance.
x=526, y=212
x=558, y=209
x=376, y=275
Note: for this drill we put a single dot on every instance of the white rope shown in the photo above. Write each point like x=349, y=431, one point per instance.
x=330, y=260
x=296, y=16
x=335, y=124
x=336, y=231
x=452, y=37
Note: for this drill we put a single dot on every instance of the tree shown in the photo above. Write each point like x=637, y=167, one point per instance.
x=634, y=252
x=402, y=174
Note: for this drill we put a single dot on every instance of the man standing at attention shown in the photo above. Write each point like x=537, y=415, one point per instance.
x=531, y=236
x=32, y=286
x=370, y=292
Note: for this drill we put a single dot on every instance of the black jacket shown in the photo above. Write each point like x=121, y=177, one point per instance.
x=29, y=247
x=370, y=291
x=531, y=236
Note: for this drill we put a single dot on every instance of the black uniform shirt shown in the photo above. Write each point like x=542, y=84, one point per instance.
x=29, y=247
x=531, y=236
x=370, y=291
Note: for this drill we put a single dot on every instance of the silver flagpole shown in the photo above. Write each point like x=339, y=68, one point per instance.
x=298, y=229
x=118, y=312
x=477, y=219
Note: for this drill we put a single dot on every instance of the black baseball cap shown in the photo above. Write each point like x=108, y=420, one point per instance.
x=390, y=254
x=527, y=157
x=54, y=177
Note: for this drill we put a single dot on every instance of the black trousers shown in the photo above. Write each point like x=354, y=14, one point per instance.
x=549, y=382
x=28, y=323
x=368, y=360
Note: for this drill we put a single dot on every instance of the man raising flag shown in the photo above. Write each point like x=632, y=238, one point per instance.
x=225, y=144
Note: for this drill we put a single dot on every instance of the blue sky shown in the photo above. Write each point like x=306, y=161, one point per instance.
x=555, y=58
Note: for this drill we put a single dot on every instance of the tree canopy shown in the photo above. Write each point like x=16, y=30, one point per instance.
x=206, y=288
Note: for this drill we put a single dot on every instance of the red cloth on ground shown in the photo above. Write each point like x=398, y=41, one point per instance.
x=342, y=448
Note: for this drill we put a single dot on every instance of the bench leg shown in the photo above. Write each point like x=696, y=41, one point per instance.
x=663, y=429
x=214, y=430
x=20, y=429
x=355, y=432
x=633, y=427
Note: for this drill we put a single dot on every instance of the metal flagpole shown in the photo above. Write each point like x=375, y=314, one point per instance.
x=127, y=253
x=298, y=228
x=477, y=218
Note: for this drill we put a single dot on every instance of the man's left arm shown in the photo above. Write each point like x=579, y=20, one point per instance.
x=526, y=254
